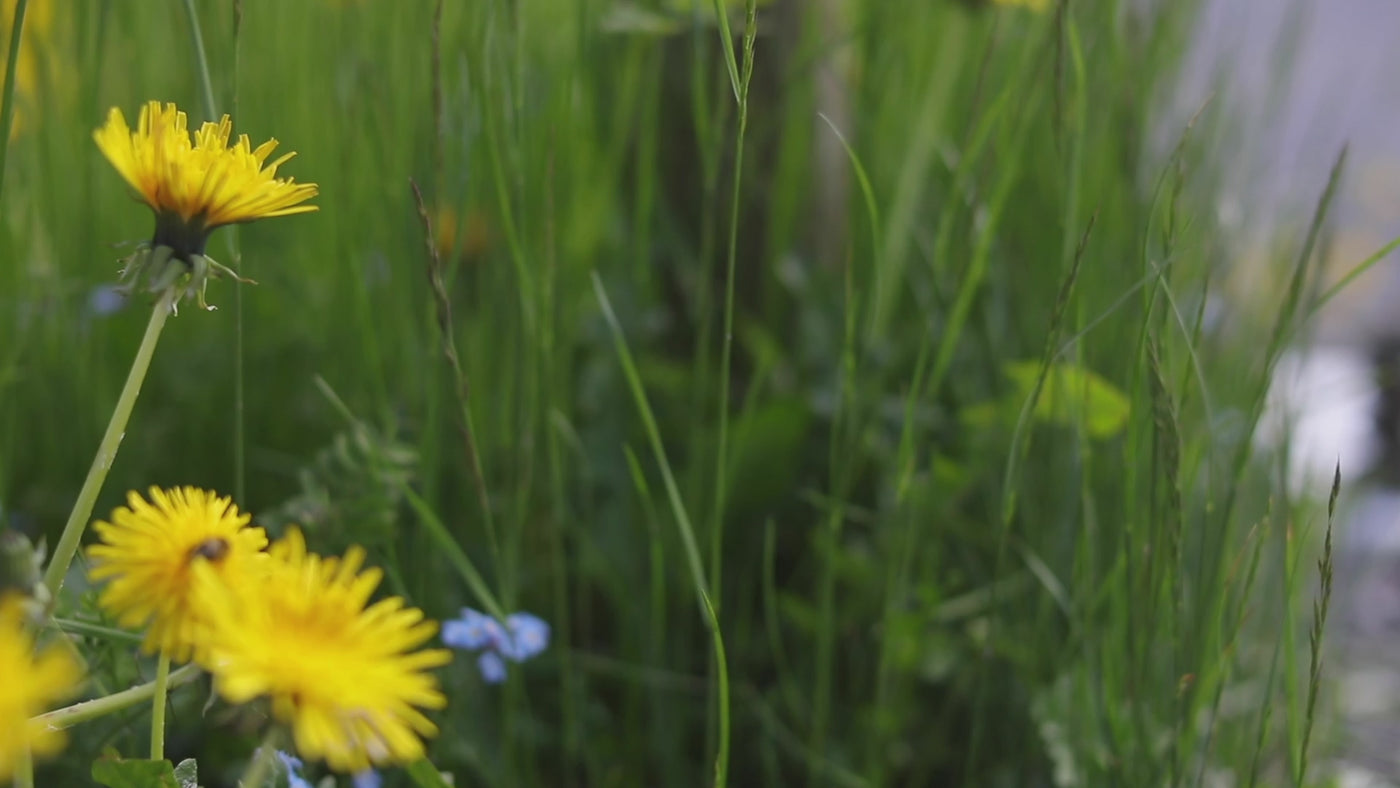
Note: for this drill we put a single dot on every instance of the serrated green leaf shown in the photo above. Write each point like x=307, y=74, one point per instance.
x=1072, y=394
x=121, y=773
x=187, y=773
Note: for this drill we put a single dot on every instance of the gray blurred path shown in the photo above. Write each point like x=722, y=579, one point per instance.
x=1305, y=77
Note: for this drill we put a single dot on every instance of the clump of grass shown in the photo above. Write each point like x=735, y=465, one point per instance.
x=970, y=498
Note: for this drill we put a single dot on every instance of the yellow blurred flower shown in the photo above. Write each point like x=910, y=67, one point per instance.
x=34, y=51
x=340, y=672
x=469, y=238
x=147, y=554
x=194, y=186
x=31, y=683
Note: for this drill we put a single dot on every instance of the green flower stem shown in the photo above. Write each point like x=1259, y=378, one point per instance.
x=107, y=450
x=256, y=773
x=74, y=626
x=24, y=769
x=162, y=690
x=69, y=716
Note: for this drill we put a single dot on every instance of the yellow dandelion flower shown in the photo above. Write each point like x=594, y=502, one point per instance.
x=32, y=682
x=340, y=672
x=194, y=185
x=147, y=553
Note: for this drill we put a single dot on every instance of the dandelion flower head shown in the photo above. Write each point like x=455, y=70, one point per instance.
x=195, y=185
x=30, y=685
x=147, y=553
x=340, y=672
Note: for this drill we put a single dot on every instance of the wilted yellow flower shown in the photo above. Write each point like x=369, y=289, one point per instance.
x=147, y=554
x=195, y=185
x=340, y=672
x=30, y=684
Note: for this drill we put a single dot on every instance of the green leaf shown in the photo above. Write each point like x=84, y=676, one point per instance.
x=1072, y=394
x=119, y=773
x=767, y=453
x=426, y=775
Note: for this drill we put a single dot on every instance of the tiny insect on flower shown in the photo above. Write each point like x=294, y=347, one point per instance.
x=146, y=554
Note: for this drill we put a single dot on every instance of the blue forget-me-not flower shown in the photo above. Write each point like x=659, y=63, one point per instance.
x=293, y=766
x=521, y=637
x=368, y=778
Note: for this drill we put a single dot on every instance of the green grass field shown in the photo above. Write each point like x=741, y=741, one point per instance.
x=863, y=402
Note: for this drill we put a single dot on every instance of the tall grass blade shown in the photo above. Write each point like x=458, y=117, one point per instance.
x=678, y=511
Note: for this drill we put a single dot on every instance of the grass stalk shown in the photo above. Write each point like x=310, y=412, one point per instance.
x=727, y=340
x=7, y=108
x=211, y=111
x=206, y=84
x=1319, y=627
x=443, y=306
x=678, y=511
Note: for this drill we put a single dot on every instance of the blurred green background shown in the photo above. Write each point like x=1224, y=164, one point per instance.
x=985, y=511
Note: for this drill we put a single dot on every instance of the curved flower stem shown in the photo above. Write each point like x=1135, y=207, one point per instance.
x=162, y=690
x=68, y=716
x=24, y=769
x=256, y=773
x=107, y=450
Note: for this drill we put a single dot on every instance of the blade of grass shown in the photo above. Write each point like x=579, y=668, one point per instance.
x=1319, y=627
x=727, y=341
x=7, y=109
x=678, y=511
x=731, y=61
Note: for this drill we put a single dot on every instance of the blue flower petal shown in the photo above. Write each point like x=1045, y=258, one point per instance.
x=105, y=300
x=368, y=778
x=472, y=631
x=529, y=636
x=293, y=766
x=493, y=668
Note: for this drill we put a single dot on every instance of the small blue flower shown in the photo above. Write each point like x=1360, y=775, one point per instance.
x=368, y=778
x=529, y=635
x=523, y=636
x=105, y=300
x=492, y=667
x=472, y=631
x=293, y=766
